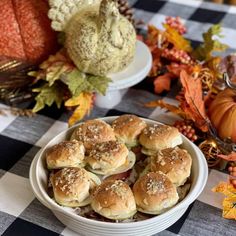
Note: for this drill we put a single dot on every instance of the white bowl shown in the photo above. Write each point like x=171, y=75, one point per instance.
x=84, y=226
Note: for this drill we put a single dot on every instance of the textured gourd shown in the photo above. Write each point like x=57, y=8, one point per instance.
x=25, y=31
x=222, y=113
x=98, y=39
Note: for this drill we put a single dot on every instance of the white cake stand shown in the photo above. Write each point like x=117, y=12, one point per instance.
x=133, y=74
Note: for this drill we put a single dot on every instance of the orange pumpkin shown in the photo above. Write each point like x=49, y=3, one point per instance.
x=222, y=113
x=25, y=31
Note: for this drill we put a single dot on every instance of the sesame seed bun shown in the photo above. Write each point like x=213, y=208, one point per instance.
x=127, y=128
x=65, y=154
x=93, y=131
x=110, y=157
x=71, y=186
x=174, y=162
x=154, y=193
x=157, y=137
x=113, y=199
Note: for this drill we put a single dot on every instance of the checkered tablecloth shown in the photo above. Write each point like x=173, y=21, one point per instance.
x=21, y=138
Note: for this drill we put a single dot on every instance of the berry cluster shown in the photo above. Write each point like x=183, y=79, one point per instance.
x=186, y=129
x=176, y=55
x=175, y=23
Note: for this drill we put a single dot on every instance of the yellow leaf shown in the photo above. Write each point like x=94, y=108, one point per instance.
x=229, y=203
x=171, y=108
x=75, y=101
x=84, y=103
x=176, y=39
x=229, y=208
x=225, y=188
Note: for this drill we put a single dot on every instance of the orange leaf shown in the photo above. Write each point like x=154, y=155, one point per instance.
x=193, y=105
x=225, y=188
x=229, y=209
x=176, y=39
x=162, y=82
x=164, y=105
x=84, y=102
x=176, y=68
x=230, y=157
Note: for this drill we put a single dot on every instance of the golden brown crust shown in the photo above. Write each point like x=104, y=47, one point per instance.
x=65, y=154
x=127, y=128
x=107, y=155
x=156, y=137
x=154, y=193
x=93, y=131
x=114, y=200
x=174, y=162
x=71, y=185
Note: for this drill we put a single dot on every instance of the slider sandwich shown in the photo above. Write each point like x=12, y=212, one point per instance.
x=113, y=199
x=71, y=186
x=174, y=162
x=154, y=193
x=93, y=131
x=65, y=154
x=127, y=129
x=157, y=137
x=109, y=158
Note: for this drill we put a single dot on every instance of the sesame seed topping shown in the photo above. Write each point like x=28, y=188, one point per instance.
x=156, y=130
x=118, y=188
x=67, y=177
x=105, y=149
x=153, y=186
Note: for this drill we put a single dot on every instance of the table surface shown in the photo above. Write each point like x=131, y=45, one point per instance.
x=21, y=138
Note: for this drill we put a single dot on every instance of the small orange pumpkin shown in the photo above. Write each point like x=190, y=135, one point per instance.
x=222, y=113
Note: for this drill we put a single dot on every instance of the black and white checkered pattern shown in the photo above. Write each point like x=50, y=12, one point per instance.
x=21, y=138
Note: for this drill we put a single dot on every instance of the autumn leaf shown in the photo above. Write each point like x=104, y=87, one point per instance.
x=98, y=84
x=177, y=39
x=210, y=45
x=163, y=82
x=229, y=208
x=53, y=68
x=193, y=105
x=171, y=108
x=176, y=68
x=84, y=104
x=47, y=96
x=78, y=82
x=229, y=202
x=229, y=157
x=154, y=37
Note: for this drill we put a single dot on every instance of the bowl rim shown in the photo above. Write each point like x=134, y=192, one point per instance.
x=191, y=196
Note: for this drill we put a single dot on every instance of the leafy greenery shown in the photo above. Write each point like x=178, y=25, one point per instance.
x=211, y=44
x=78, y=82
x=63, y=82
x=47, y=95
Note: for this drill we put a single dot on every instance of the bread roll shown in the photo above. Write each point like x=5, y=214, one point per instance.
x=71, y=186
x=105, y=158
x=127, y=128
x=174, y=162
x=65, y=154
x=154, y=193
x=157, y=137
x=93, y=131
x=114, y=199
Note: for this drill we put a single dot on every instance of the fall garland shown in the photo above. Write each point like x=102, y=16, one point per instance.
x=203, y=75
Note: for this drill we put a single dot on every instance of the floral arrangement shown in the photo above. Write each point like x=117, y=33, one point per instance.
x=203, y=95
x=59, y=80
